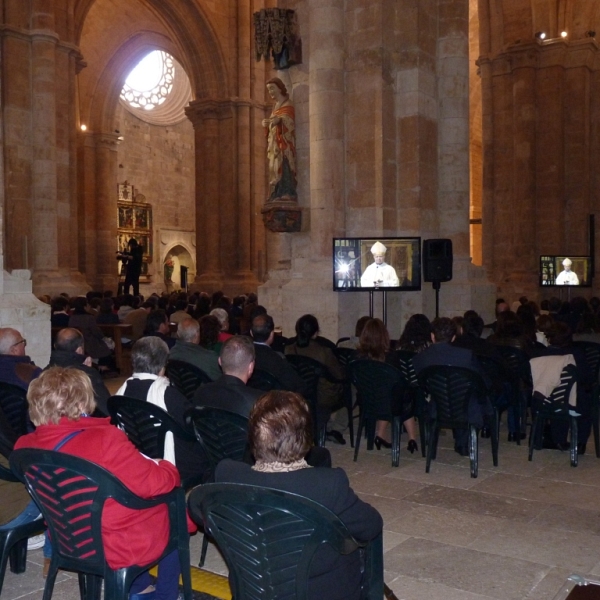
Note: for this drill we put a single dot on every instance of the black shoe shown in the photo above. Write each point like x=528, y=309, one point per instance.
x=486, y=432
x=513, y=437
x=462, y=451
x=580, y=449
x=412, y=446
x=336, y=436
x=379, y=442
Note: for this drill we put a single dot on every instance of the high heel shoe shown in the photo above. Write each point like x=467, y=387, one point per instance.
x=412, y=446
x=381, y=442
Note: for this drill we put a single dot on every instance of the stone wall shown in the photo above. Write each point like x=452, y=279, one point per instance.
x=159, y=162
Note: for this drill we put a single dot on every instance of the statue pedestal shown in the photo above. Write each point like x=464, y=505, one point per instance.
x=282, y=216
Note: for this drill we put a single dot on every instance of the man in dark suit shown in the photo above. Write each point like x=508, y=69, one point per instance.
x=442, y=353
x=270, y=361
x=230, y=390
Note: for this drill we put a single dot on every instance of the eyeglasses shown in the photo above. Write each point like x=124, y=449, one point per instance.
x=23, y=341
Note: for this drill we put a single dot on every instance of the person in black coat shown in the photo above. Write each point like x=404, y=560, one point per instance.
x=280, y=434
x=133, y=266
x=443, y=353
x=69, y=352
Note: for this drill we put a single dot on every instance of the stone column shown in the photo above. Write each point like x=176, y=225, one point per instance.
x=106, y=209
x=468, y=288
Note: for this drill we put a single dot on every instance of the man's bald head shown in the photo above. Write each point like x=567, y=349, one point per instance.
x=69, y=340
x=188, y=330
x=11, y=342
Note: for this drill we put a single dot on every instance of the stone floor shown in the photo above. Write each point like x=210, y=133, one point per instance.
x=516, y=532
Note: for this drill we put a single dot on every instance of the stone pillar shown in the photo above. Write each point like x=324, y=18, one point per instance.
x=106, y=209
x=468, y=288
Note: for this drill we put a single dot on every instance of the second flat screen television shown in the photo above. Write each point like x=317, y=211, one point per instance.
x=367, y=264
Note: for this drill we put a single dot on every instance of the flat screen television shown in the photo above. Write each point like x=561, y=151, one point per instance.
x=556, y=271
x=367, y=264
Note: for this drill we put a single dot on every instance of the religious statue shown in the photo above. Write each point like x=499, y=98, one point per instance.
x=281, y=143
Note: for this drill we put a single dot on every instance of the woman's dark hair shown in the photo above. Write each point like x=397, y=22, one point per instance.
x=79, y=304
x=527, y=317
x=280, y=427
x=374, y=340
x=59, y=303
x=559, y=335
x=106, y=306
x=508, y=325
x=306, y=327
x=209, y=331
x=544, y=323
x=416, y=334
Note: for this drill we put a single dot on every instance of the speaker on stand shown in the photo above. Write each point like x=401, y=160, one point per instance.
x=437, y=265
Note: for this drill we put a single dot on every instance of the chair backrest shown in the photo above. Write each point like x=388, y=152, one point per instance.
x=517, y=363
x=345, y=356
x=380, y=387
x=14, y=406
x=145, y=424
x=451, y=388
x=263, y=380
x=223, y=434
x=558, y=400
x=185, y=377
x=71, y=493
x=592, y=356
x=310, y=371
x=268, y=537
x=405, y=364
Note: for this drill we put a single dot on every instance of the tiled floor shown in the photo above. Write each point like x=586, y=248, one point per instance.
x=516, y=532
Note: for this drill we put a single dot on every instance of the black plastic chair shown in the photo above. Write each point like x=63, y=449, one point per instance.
x=146, y=426
x=519, y=369
x=383, y=395
x=263, y=380
x=186, y=377
x=311, y=371
x=269, y=537
x=71, y=493
x=556, y=406
x=451, y=389
x=223, y=434
x=14, y=406
x=345, y=356
x=405, y=364
x=592, y=356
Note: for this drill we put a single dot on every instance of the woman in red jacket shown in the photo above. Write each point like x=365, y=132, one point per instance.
x=60, y=402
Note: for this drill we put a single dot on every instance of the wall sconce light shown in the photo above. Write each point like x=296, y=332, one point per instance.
x=563, y=34
x=83, y=127
x=540, y=35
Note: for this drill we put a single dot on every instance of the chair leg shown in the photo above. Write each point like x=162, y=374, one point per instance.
x=350, y=419
x=90, y=586
x=204, y=550
x=396, y=437
x=432, y=436
x=358, y=436
x=474, y=450
x=596, y=427
x=574, y=439
x=495, y=436
x=18, y=557
x=49, y=587
x=533, y=434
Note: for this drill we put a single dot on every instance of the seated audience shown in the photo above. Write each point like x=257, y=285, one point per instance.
x=509, y=332
x=60, y=401
x=69, y=352
x=374, y=344
x=272, y=362
x=230, y=391
x=60, y=312
x=188, y=350
x=223, y=317
x=137, y=318
x=352, y=343
x=210, y=329
x=441, y=352
x=416, y=335
x=280, y=435
x=180, y=312
x=16, y=367
x=148, y=359
x=125, y=306
x=157, y=325
x=92, y=334
x=329, y=394
x=106, y=314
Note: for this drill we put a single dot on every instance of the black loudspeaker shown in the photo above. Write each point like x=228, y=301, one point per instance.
x=437, y=260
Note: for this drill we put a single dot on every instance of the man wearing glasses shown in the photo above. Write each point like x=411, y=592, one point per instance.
x=16, y=367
